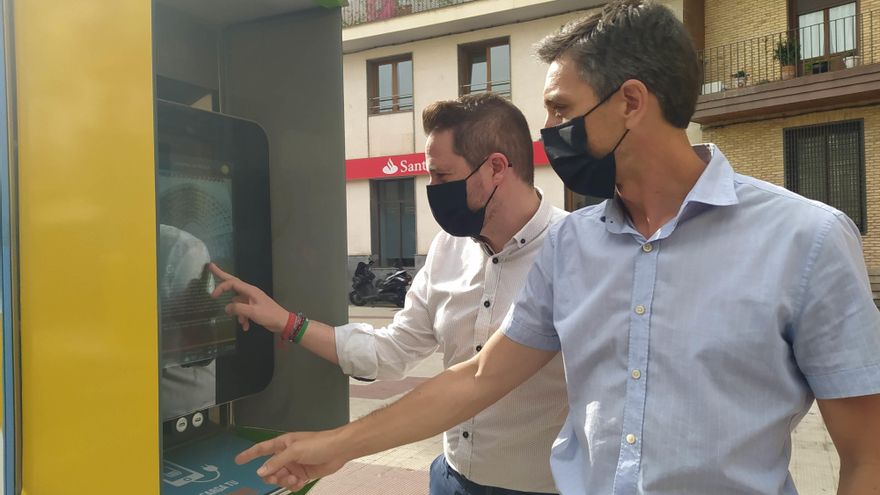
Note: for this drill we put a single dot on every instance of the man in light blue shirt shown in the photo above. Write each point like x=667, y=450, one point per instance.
x=699, y=312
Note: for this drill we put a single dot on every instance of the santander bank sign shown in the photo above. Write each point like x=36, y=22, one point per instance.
x=382, y=167
x=386, y=166
x=403, y=166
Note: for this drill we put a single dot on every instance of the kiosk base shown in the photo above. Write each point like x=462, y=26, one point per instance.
x=207, y=466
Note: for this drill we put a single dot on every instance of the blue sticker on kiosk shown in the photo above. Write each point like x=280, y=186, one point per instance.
x=208, y=467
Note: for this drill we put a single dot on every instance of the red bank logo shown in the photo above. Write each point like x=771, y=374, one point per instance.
x=390, y=168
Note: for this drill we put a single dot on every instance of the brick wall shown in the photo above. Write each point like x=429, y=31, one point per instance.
x=756, y=149
x=741, y=35
x=728, y=21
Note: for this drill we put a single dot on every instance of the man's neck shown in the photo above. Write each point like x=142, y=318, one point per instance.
x=510, y=215
x=654, y=184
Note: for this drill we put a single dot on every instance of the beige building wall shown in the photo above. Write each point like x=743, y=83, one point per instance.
x=354, y=76
x=391, y=134
x=756, y=149
x=357, y=204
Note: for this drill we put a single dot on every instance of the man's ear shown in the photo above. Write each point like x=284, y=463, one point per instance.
x=635, y=98
x=500, y=167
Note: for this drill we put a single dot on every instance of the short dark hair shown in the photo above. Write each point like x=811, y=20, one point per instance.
x=482, y=124
x=633, y=39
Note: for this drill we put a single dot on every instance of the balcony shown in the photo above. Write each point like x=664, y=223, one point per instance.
x=824, y=66
x=365, y=11
x=373, y=23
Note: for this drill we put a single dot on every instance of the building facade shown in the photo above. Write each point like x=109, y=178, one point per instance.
x=402, y=55
x=791, y=94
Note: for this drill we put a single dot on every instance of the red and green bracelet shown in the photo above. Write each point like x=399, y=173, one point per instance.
x=296, y=327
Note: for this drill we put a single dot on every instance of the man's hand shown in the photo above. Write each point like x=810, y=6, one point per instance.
x=250, y=303
x=296, y=458
x=446, y=400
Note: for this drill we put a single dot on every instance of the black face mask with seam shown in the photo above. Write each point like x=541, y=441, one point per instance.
x=566, y=147
x=449, y=206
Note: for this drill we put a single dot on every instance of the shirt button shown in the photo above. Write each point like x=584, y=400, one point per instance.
x=636, y=374
x=465, y=434
x=522, y=241
x=647, y=247
x=487, y=303
x=640, y=310
x=630, y=439
x=479, y=348
x=495, y=260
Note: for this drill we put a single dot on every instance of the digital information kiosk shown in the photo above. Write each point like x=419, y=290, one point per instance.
x=212, y=206
x=144, y=139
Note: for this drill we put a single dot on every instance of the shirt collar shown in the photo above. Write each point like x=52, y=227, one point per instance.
x=531, y=230
x=715, y=187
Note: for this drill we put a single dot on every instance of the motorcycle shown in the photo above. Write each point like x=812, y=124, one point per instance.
x=391, y=289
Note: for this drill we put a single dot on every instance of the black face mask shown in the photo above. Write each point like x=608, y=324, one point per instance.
x=450, y=207
x=566, y=147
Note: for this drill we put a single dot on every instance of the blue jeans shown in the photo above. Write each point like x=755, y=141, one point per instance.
x=447, y=481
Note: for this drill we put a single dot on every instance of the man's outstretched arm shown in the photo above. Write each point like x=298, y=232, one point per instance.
x=252, y=304
x=455, y=395
x=359, y=349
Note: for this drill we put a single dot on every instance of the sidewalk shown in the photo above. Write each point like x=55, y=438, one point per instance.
x=404, y=470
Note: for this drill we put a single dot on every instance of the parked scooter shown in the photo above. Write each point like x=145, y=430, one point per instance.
x=392, y=289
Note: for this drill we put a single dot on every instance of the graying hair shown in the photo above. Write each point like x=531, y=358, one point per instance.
x=633, y=39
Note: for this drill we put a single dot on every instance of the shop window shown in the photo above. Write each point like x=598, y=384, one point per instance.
x=827, y=163
x=390, y=85
x=393, y=215
x=485, y=66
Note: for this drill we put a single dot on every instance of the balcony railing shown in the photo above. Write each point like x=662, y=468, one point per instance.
x=836, y=45
x=390, y=104
x=501, y=88
x=364, y=11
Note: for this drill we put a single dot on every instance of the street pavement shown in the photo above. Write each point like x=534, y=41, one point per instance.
x=404, y=470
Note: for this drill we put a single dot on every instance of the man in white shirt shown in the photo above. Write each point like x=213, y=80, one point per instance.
x=479, y=155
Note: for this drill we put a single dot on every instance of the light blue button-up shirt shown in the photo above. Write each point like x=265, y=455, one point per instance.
x=690, y=356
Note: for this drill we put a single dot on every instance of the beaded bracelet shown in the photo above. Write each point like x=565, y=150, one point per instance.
x=298, y=319
x=288, y=328
x=302, y=331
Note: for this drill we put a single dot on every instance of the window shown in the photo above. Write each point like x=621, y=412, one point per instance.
x=390, y=85
x=394, y=221
x=826, y=28
x=485, y=66
x=827, y=163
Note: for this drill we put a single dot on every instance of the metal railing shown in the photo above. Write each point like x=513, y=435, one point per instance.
x=364, y=11
x=389, y=104
x=837, y=45
x=501, y=88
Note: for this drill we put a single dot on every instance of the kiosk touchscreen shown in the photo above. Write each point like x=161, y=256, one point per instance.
x=212, y=196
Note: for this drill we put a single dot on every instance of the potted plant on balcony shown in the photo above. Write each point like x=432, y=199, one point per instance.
x=850, y=59
x=786, y=53
x=739, y=78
